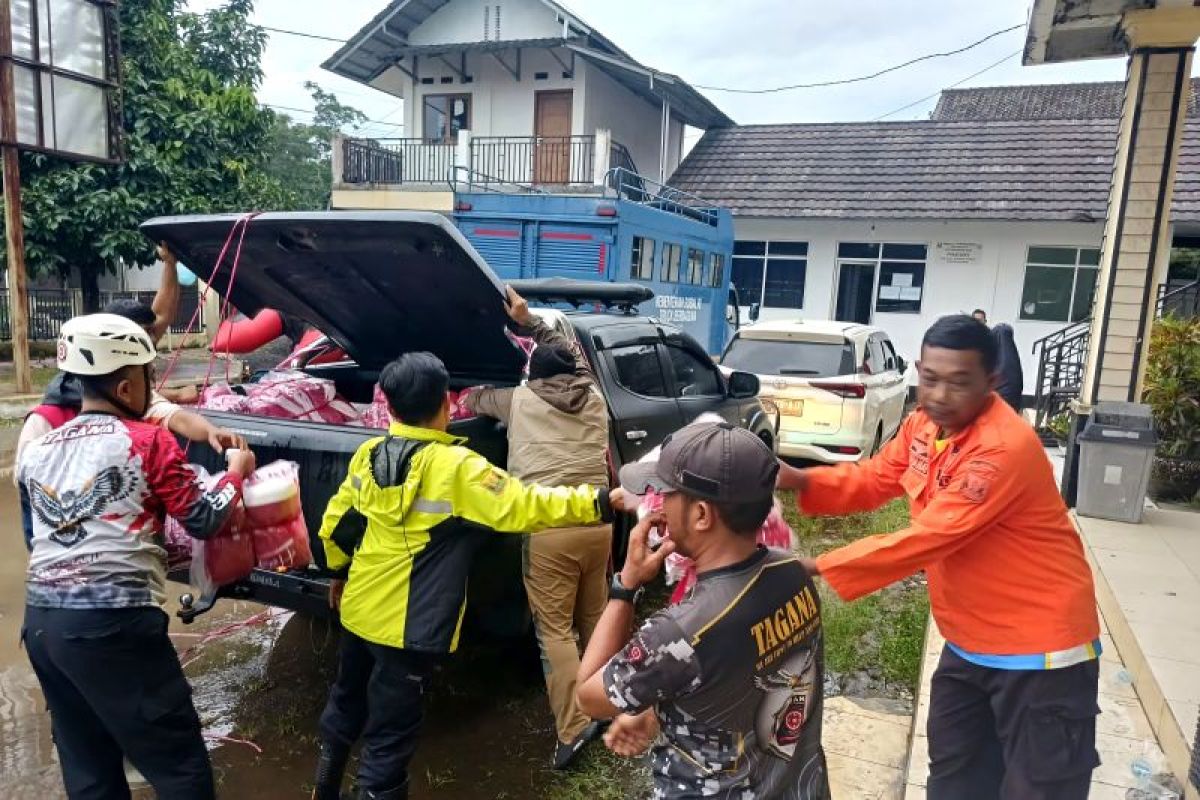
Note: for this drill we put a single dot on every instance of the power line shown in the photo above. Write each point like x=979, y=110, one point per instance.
x=951, y=86
x=861, y=78
x=311, y=112
x=300, y=34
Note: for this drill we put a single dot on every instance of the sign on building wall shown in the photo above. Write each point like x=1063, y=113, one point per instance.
x=959, y=252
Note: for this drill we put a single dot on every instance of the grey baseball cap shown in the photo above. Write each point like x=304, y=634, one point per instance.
x=713, y=461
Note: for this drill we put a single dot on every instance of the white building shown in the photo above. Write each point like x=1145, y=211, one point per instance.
x=519, y=91
x=998, y=203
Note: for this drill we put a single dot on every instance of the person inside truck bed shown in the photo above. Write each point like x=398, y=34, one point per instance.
x=1013, y=706
x=558, y=436
x=402, y=528
x=99, y=488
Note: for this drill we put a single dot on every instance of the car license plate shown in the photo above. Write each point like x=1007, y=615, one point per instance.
x=791, y=408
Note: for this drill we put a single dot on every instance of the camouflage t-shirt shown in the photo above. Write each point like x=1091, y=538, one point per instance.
x=735, y=674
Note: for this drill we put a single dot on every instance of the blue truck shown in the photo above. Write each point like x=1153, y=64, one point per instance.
x=636, y=231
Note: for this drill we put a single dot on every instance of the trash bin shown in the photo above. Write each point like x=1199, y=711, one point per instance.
x=1116, y=449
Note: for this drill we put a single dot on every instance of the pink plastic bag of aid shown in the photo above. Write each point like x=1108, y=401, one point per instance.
x=679, y=570
x=224, y=557
x=376, y=415
x=294, y=395
x=275, y=517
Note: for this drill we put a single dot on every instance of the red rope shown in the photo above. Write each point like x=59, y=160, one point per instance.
x=244, y=222
x=241, y=221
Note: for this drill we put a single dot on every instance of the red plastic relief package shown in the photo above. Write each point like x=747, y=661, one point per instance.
x=376, y=415
x=276, y=518
x=226, y=556
x=300, y=397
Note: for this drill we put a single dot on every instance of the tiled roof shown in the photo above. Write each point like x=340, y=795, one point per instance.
x=1004, y=170
x=1050, y=101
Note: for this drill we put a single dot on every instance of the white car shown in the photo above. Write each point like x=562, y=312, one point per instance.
x=839, y=386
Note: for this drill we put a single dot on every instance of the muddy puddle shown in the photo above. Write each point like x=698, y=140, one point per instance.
x=260, y=677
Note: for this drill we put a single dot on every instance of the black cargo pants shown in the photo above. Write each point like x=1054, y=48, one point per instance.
x=378, y=695
x=115, y=690
x=1011, y=734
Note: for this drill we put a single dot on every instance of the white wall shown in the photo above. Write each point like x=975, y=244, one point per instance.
x=633, y=121
x=462, y=21
x=993, y=283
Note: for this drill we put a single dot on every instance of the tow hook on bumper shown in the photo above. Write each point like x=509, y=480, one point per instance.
x=189, y=609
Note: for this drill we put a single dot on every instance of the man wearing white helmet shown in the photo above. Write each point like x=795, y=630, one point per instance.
x=98, y=488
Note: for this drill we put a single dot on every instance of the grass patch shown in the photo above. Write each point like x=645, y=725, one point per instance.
x=881, y=635
x=600, y=775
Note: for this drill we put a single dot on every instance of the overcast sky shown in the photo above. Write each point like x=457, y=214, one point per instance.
x=747, y=44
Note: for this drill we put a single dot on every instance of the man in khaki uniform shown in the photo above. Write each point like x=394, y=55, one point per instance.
x=557, y=436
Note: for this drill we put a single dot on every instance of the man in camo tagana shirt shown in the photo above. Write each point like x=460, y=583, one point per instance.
x=730, y=679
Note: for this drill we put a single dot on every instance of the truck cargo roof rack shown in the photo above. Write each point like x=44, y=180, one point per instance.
x=625, y=185
x=623, y=296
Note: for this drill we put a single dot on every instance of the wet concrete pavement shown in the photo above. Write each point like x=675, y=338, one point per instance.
x=488, y=732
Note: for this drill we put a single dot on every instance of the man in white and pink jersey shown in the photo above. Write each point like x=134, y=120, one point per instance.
x=98, y=489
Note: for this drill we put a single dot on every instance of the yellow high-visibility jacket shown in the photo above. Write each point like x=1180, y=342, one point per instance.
x=414, y=507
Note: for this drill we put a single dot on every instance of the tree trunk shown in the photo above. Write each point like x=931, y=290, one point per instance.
x=89, y=282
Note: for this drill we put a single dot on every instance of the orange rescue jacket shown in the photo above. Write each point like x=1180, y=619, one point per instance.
x=1006, y=569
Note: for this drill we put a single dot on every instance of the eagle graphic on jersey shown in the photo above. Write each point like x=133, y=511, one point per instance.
x=65, y=513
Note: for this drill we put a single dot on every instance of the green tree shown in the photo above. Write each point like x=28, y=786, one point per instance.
x=195, y=138
x=301, y=153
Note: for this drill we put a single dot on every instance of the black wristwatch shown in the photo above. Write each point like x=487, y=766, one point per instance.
x=617, y=591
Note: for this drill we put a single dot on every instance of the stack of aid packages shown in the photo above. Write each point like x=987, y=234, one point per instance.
x=266, y=530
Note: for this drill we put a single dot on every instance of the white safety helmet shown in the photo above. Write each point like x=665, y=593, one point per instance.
x=101, y=344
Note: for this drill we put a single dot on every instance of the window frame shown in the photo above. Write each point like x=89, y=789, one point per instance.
x=1075, y=271
x=665, y=266
x=695, y=258
x=716, y=270
x=878, y=261
x=702, y=363
x=655, y=348
x=451, y=136
x=765, y=261
x=637, y=252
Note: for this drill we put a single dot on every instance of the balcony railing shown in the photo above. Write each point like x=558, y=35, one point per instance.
x=533, y=160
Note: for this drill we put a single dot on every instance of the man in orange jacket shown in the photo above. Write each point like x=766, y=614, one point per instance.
x=1013, y=706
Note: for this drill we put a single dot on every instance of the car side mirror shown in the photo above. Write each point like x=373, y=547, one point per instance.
x=743, y=385
x=901, y=365
x=755, y=310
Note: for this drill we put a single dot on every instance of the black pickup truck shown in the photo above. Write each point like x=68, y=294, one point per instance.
x=383, y=283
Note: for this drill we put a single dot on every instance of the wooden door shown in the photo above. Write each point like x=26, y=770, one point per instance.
x=552, y=132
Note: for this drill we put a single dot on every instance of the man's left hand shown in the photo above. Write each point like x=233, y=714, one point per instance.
x=220, y=439
x=642, y=564
x=630, y=735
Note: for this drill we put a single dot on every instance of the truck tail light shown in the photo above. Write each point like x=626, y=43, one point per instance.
x=606, y=211
x=463, y=206
x=847, y=390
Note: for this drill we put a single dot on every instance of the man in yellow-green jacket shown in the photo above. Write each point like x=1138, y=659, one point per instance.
x=413, y=509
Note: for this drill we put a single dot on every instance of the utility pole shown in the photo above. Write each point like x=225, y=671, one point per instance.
x=18, y=302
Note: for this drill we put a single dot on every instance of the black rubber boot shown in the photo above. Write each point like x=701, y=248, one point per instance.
x=331, y=765
x=399, y=793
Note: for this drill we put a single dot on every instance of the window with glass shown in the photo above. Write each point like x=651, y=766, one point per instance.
x=444, y=116
x=1060, y=283
x=672, y=258
x=638, y=369
x=693, y=377
x=770, y=273
x=695, y=266
x=641, y=266
x=900, y=267
x=716, y=270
